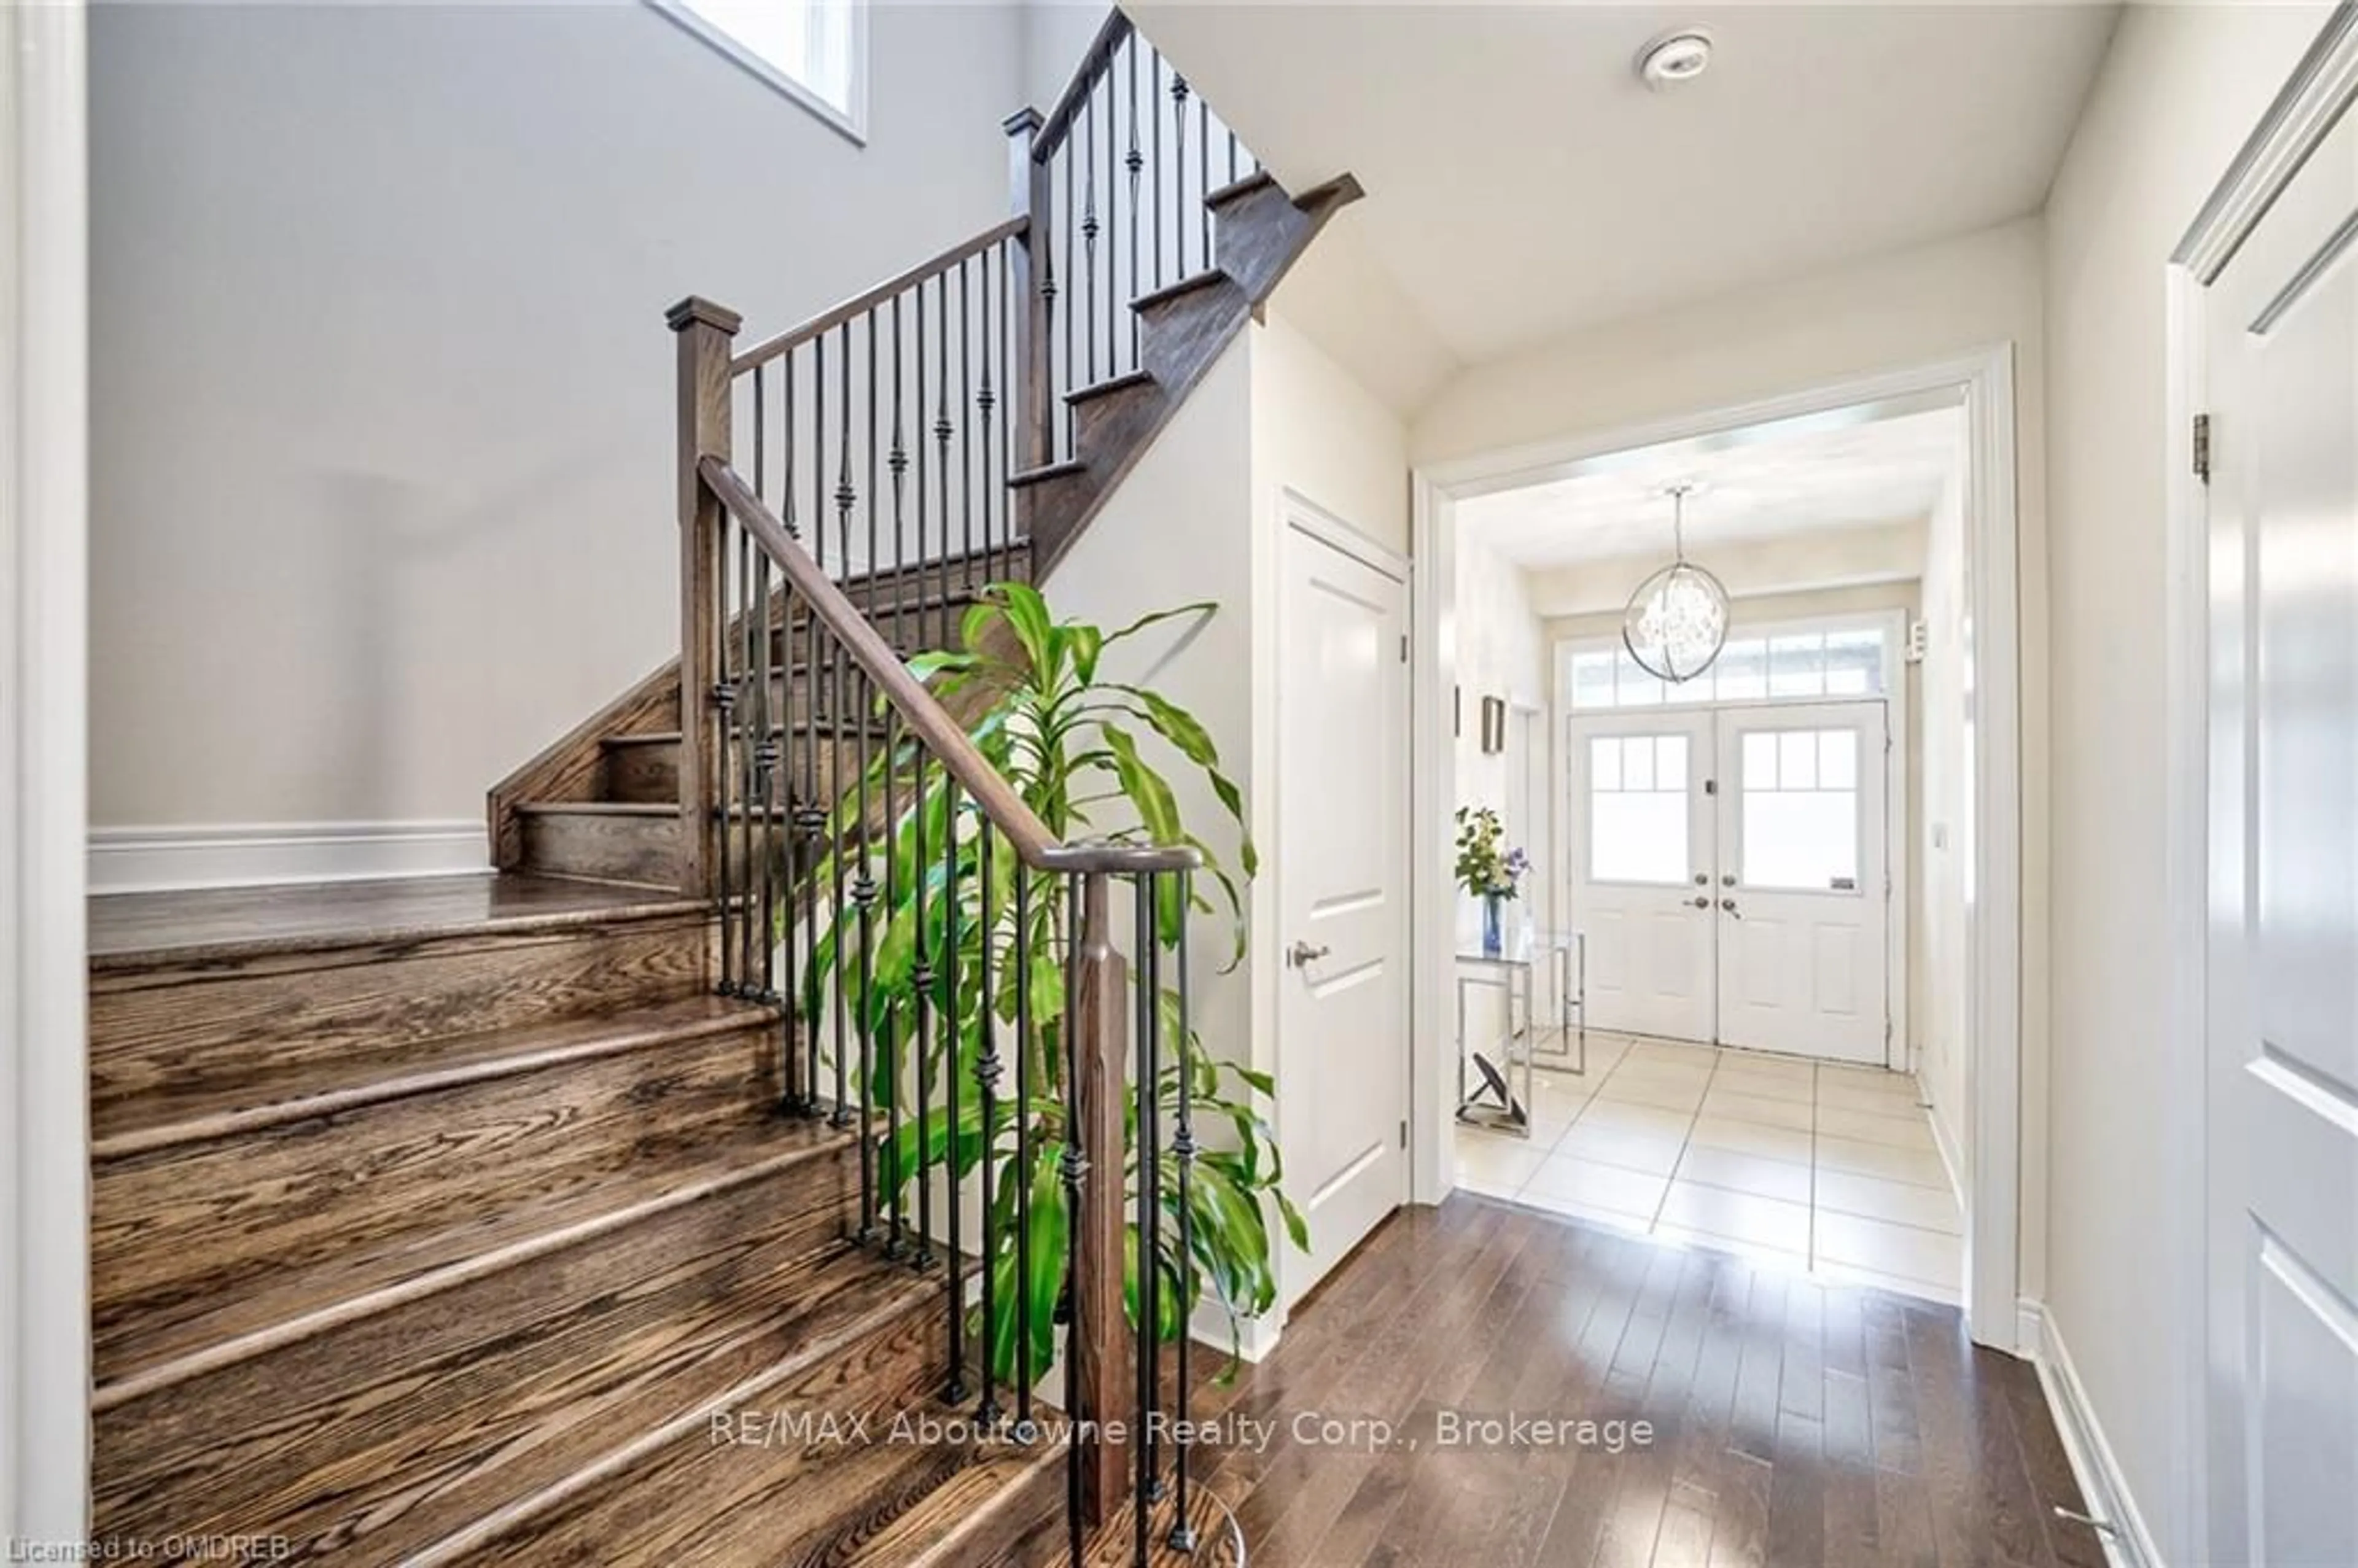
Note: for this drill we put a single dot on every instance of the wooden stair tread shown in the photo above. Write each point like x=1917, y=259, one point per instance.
x=1108, y=388
x=859, y=1504
x=153, y=1351
x=187, y=1109
x=1209, y=277
x=132, y=930
x=546, y=1402
x=1042, y=474
x=671, y=738
x=1258, y=179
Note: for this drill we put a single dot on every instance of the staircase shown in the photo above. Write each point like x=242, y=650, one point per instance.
x=541, y=1218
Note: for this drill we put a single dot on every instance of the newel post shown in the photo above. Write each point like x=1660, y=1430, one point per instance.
x=1031, y=281
x=1100, y=1344
x=704, y=332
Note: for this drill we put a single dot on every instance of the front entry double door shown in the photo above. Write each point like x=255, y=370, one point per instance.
x=1729, y=867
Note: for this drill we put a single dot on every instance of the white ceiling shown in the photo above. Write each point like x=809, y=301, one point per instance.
x=1816, y=476
x=1522, y=182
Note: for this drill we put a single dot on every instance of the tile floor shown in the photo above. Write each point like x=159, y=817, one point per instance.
x=1825, y=1168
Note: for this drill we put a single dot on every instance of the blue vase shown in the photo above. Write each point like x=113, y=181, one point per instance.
x=1494, y=914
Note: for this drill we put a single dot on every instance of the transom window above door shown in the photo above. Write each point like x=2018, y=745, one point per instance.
x=1769, y=665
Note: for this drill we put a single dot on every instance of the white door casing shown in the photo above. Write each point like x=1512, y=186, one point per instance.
x=1640, y=833
x=1343, y=893
x=1804, y=896
x=2280, y=346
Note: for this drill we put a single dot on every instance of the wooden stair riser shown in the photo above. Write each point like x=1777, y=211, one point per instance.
x=1093, y=415
x=645, y=771
x=171, y=1026
x=371, y=1441
x=638, y=848
x=700, y=1501
x=176, y=1229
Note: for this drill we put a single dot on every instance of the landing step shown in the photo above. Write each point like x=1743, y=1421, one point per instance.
x=1209, y=277
x=135, y=930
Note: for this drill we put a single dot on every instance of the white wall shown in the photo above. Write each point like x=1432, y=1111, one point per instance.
x=2179, y=91
x=382, y=472
x=1911, y=308
x=1800, y=563
x=1501, y=653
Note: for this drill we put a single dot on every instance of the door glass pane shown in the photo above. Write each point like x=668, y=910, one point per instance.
x=1800, y=823
x=1637, y=809
x=1742, y=673
x=1605, y=762
x=1637, y=762
x=1797, y=760
x=1838, y=759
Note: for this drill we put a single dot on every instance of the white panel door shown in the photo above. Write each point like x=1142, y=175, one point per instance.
x=1803, y=900
x=1641, y=867
x=1342, y=1047
x=2282, y=982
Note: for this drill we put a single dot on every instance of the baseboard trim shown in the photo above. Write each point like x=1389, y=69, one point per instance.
x=2131, y=1545
x=154, y=860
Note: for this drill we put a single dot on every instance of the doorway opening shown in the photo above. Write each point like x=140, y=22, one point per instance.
x=1764, y=878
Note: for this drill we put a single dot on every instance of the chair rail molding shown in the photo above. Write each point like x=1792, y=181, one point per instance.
x=44, y=529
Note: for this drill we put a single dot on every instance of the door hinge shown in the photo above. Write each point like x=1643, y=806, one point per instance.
x=2202, y=448
x=1403, y=647
x=1711, y=787
x=1403, y=1134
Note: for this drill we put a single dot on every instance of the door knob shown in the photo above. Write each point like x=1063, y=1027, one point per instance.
x=1302, y=953
x=1729, y=904
x=1699, y=901
x=1703, y=879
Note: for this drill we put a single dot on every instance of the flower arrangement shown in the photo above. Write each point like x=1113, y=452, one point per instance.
x=1487, y=867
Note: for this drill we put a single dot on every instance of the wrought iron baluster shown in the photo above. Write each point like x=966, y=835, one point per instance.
x=863, y=900
x=1179, y=224
x=1154, y=155
x=982, y=407
x=897, y=464
x=1135, y=162
x=875, y=579
x=986, y=1089
x=1233, y=174
x=802, y=1091
x=953, y=1025
x=727, y=753
x=893, y=1044
x=1025, y=1089
x=942, y=430
x=1073, y=292
x=811, y=818
x=1183, y=1148
x=1089, y=236
x=757, y=953
x=921, y=980
x=1204, y=172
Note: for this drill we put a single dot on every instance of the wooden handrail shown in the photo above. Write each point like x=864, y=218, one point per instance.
x=932, y=724
x=762, y=352
x=1052, y=130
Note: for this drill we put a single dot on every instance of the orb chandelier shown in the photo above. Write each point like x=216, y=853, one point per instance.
x=1677, y=621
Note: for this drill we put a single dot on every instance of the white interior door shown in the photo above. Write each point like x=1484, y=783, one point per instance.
x=1343, y=893
x=1803, y=894
x=2282, y=982
x=1642, y=870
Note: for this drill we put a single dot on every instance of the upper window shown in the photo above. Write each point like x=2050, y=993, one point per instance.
x=815, y=50
x=1780, y=666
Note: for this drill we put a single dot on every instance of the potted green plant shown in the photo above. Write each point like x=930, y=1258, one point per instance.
x=1489, y=870
x=1081, y=749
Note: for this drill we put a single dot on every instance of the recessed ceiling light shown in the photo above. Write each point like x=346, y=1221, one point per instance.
x=1675, y=56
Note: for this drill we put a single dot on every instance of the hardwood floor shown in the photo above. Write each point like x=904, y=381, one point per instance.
x=1791, y=1423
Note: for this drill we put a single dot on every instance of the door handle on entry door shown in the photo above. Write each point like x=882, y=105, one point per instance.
x=1729, y=904
x=1699, y=901
x=1302, y=954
